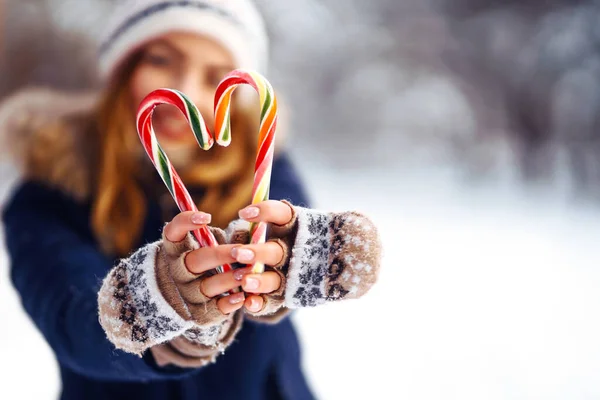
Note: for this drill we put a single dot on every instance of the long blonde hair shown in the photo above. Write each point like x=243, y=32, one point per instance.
x=118, y=200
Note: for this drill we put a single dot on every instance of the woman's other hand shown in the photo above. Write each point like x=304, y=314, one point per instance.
x=270, y=253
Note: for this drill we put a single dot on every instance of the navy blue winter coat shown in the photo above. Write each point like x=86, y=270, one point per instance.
x=57, y=268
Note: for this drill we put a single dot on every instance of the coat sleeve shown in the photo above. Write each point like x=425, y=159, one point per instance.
x=57, y=269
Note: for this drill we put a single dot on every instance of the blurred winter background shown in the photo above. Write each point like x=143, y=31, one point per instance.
x=468, y=129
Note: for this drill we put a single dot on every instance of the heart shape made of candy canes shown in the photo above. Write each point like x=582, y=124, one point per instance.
x=222, y=109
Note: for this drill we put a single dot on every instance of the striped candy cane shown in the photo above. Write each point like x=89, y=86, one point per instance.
x=266, y=137
x=161, y=161
x=264, y=157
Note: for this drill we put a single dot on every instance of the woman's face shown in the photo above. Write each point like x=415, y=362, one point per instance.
x=192, y=64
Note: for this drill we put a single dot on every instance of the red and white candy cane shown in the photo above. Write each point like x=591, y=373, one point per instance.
x=264, y=156
x=266, y=137
x=161, y=161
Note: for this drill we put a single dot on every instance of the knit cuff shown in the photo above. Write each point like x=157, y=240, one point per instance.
x=216, y=338
x=132, y=310
x=167, y=354
x=151, y=298
x=198, y=347
x=334, y=257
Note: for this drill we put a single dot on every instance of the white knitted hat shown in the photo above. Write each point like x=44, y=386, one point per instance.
x=235, y=24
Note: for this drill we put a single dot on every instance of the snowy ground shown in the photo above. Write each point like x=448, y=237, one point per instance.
x=484, y=294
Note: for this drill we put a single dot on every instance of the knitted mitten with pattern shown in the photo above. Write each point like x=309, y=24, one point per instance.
x=151, y=300
x=327, y=257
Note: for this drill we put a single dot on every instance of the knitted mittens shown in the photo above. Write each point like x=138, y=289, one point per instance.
x=149, y=298
x=327, y=257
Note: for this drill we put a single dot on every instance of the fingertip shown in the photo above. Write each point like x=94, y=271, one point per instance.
x=237, y=306
x=254, y=303
x=272, y=211
x=200, y=218
x=231, y=303
x=184, y=222
x=236, y=298
x=249, y=213
x=268, y=282
x=251, y=283
x=239, y=274
x=244, y=255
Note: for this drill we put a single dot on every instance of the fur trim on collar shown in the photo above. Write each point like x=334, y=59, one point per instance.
x=52, y=156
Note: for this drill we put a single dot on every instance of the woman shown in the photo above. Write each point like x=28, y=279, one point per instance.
x=90, y=198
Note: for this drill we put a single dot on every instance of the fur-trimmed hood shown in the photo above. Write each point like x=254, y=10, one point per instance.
x=45, y=155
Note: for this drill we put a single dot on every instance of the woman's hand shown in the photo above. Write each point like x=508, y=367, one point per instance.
x=269, y=253
x=207, y=258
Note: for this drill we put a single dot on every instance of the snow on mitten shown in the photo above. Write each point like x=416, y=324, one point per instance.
x=327, y=257
x=151, y=298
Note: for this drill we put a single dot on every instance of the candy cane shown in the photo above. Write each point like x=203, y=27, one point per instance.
x=264, y=156
x=161, y=161
x=266, y=137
